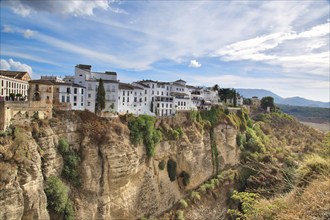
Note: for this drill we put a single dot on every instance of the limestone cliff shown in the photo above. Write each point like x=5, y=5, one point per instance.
x=118, y=180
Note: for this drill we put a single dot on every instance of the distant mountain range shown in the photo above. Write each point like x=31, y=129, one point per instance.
x=295, y=101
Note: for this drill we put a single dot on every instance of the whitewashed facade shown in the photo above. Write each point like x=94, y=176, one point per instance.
x=90, y=80
x=14, y=82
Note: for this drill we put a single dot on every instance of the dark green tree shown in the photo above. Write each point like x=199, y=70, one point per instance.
x=216, y=87
x=247, y=101
x=226, y=94
x=100, y=97
x=267, y=101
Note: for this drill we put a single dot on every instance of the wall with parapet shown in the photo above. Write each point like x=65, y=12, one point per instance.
x=27, y=109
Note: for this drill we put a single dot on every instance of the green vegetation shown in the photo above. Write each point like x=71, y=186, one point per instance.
x=313, y=166
x=100, y=97
x=266, y=102
x=247, y=201
x=57, y=198
x=183, y=203
x=179, y=215
x=195, y=196
x=161, y=165
x=171, y=169
x=143, y=130
x=215, y=153
x=307, y=114
x=186, y=178
x=71, y=163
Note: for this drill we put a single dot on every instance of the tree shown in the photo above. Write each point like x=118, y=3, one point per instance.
x=267, y=101
x=216, y=87
x=100, y=97
x=247, y=101
x=226, y=94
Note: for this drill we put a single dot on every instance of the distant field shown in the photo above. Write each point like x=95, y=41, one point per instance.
x=318, y=126
x=308, y=114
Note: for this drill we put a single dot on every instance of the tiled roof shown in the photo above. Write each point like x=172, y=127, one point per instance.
x=14, y=74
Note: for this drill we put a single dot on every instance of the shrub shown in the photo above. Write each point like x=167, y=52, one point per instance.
x=247, y=201
x=63, y=146
x=161, y=165
x=143, y=130
x=171, y=169
x=57, y=198
x=186, y=178
x=239, y=139
x=71, y=163
x=313, y=165
x=179, y=215
x=183, y=203
x=195, y=196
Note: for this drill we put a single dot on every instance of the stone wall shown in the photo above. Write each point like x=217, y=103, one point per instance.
x=25, y=110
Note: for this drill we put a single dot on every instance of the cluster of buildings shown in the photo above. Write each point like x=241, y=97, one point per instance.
x=78, y=92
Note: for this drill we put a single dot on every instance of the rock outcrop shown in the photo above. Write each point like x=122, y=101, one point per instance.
x=118, y=180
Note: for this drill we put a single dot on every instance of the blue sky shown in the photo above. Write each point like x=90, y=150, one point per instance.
x=282, y=46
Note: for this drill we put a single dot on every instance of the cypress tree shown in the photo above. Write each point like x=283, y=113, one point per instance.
x=100, y=97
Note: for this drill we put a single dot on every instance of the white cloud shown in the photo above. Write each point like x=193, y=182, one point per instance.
x=28, y=33
x=7, y=29
x=73, y=7
x=15, y=65
x=195, y=64
x=263, y=48
x=4, y=65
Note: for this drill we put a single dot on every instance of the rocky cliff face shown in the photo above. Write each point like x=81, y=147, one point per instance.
x=119, y=181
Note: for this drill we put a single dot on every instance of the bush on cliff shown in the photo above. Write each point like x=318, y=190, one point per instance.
x=143, y=131
x=71, y=163
x=57, y=198
x=171, y=169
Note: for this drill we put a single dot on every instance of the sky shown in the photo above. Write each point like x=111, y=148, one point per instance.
x=282, y=46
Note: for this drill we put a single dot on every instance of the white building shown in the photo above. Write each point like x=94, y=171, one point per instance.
x=14, y=85
x=90, y=80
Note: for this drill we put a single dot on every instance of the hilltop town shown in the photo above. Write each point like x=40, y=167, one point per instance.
x=37, y=98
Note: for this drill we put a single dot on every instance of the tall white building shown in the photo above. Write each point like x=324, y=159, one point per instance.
x=90, y=80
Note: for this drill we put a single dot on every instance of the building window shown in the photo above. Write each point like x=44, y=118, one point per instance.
x=127, y=99
x=145, y=99
x=123, y=99
x=152, y=92
x=162, y=93
x=135, y=99
x=68, y=90
x=63, y=98
x=74, y=104
x=68, y=99
x=82, y=91
x=74, y=98
x=82, y=104
x=80, y=75
x=89, y=95
x=75, y=90
x=123, y=93
x=157, y=92
x=88, y=104
x=145, y=91
x=157, y=105
x=153, y=86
